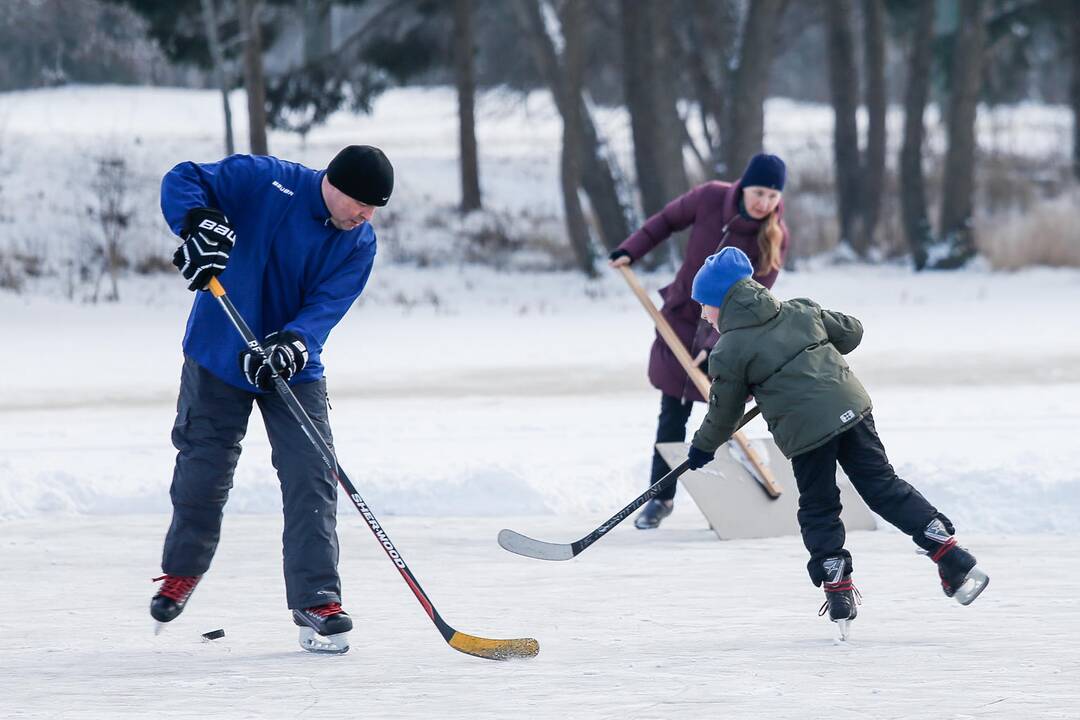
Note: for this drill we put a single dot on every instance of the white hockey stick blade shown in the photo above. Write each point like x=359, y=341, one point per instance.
x=975, y=582
x=515, y=542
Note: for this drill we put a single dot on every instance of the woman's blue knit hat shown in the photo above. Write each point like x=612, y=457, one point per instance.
x=765, y=171
x=718, y=274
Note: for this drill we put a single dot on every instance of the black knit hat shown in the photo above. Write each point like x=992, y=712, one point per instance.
x=765, y=171
x=363, y=173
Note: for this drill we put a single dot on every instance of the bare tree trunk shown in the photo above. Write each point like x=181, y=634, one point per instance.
x=843, y=87
x=750, y=85
x=654, y=117
x=912, y=185
x=873, y=184
x=1074, y=86
x=649, y=86
x=958, y=186
x=689, y=143
x=597, y=177
x=711, y=30
x=464, y=75
x=112, y=190
x=573, y=141
x=254, y=82
x=699, y=59
x=669, y=127
x=318, y=33
x=637, y=61
x=671, y=131
x=217, y=56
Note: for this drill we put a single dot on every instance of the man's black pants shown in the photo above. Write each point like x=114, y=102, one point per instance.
x=211, y=420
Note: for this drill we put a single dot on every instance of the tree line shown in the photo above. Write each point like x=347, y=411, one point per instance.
x=693, y=76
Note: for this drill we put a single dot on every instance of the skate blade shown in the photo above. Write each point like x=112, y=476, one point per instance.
x=158, y=627
x=843, y=630
x=323, y=644
x=975, y=582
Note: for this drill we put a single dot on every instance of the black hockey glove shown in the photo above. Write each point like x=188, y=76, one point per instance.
x=618, y=253
x=699, y=458
x=208, y=240
x=285, y=352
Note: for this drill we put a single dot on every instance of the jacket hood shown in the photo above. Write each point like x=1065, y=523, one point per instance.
x=747, y=304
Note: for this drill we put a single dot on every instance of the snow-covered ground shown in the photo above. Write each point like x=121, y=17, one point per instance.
x=526, y=393
x=466, y=400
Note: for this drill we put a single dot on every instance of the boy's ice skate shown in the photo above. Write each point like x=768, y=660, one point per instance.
x=324, y=629
x=171, y=597
x=841, y=596
x=653, y=514
x=961, y=578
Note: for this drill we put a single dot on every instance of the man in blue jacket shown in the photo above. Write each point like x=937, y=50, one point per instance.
x=294, y=248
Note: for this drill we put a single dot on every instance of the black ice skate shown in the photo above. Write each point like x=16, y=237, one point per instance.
x=841, y=596
x=655, y=511
x=171, y=597
x=961, y=578
x=324, y=629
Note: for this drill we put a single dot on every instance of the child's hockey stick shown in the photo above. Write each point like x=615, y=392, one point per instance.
x=515, y=542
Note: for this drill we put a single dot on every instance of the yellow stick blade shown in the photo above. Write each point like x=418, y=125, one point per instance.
x=494, y=649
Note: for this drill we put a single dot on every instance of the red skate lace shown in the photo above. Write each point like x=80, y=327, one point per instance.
x=936, y=557
x=945, y=547
x=177, y=587
x=325, y=611
x=842, y=586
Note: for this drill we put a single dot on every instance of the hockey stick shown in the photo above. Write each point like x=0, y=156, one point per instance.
x=468, y=644
x=515, y=542
x=757, y=468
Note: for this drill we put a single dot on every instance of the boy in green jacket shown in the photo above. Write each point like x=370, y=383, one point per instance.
x=788, y=355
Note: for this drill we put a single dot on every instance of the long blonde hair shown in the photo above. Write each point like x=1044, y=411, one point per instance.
x=769, y=239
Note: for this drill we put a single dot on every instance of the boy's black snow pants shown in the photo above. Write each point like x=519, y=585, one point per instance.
x=211, y=420
x=674, y=414
x=862, y=456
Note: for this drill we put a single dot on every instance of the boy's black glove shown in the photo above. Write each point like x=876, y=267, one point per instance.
x=208, y=240
x=286, y=353
x=618, y=253
x=699, y=458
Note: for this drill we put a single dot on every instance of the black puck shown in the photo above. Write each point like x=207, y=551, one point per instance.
x=214, y=634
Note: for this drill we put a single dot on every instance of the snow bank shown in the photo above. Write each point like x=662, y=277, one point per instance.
x=463, y=391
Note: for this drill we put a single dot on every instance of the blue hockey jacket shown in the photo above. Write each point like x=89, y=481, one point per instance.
x=290, y=269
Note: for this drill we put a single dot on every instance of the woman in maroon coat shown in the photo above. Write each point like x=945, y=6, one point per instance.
x=747, y=215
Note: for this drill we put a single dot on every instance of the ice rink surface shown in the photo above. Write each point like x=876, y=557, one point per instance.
x=669, y=624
